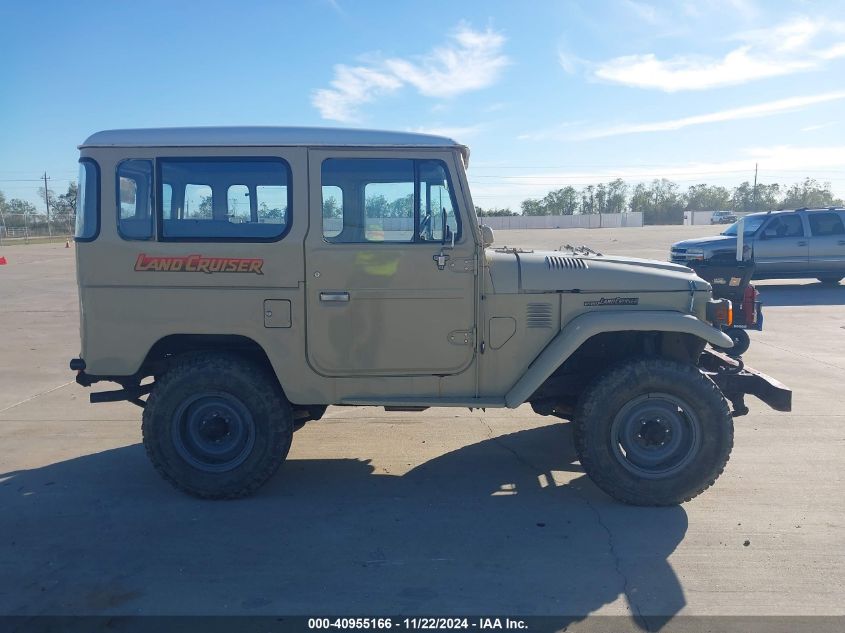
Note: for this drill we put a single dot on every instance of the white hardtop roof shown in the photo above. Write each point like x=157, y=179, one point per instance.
x=265, y=137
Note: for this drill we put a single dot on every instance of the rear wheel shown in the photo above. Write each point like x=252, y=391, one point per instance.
x=217, y=426
x=653, y=432
x=830, y=280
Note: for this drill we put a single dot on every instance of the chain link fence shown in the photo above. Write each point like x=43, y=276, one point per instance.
x=22, y=227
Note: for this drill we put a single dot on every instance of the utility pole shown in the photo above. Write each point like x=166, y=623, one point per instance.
x=47, y=202
x=754, y=194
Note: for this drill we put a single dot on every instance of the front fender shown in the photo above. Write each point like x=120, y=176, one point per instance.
x=585, y=326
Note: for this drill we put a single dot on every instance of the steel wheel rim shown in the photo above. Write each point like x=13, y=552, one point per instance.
x=656, y=435
x=213, y=431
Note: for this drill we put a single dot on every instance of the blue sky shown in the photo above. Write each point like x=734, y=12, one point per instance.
x=545, y=93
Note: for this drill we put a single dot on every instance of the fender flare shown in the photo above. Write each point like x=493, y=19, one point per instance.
x=585, y=326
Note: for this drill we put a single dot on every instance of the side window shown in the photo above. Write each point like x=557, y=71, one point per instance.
x=387, y=200
x=167, y=201
x=88, y=202
x=237, y=197
x=134, y=199
x=826, y=224
x=332, y=210
x=231, y=199
x=197, y=203
x=787, y=225
x=272, y=204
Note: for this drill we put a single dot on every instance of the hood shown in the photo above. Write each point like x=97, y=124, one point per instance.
x=516, y=270
x=715, y=242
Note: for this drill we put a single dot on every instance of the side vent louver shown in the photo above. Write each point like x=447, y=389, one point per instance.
x=539, y=315
x=555, y=262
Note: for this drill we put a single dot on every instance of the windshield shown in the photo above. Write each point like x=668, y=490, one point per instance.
x=751, y=226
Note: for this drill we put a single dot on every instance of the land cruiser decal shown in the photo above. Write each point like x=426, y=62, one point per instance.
x=197, y=264
x=614, y=301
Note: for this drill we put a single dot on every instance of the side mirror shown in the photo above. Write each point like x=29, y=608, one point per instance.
x=486, y=235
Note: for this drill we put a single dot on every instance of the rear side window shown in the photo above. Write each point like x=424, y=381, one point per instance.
x=134, y=199
x=88, y=202
x=825, y=224
x=228, y=199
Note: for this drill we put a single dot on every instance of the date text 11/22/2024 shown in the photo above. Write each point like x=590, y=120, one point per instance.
x=418, y=623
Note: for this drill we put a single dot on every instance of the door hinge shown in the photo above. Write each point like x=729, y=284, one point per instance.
x=468, y=265
x=461, y=337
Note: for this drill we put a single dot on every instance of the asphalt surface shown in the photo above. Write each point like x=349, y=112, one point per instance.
x=439, y=512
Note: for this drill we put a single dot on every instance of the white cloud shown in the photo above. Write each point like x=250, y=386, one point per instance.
x=819, y=126
x=471, y=60
x=746, y=112
x=800, y=44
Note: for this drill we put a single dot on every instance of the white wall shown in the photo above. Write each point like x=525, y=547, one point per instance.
x=702, y=217
x=593, y=221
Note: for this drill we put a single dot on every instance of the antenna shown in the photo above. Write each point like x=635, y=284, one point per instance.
x=754, y=194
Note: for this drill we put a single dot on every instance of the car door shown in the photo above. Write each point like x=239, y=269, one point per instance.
x=827, y=242
x=387, y=291
x=782, y=246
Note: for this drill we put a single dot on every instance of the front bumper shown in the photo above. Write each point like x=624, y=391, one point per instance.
x=736, y=380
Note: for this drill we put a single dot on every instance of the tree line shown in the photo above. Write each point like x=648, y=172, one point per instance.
x=664, y=202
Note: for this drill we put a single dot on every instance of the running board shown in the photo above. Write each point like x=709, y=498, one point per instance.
x=471, y=403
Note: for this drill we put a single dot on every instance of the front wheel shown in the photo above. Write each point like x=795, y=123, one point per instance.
x=741, y=341
x=217, y=426
x=653, y=432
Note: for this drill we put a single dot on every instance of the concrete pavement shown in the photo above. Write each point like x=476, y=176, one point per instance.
x=439, y=512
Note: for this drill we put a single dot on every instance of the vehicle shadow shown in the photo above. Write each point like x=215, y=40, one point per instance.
x=509, y=525
x=801, y=293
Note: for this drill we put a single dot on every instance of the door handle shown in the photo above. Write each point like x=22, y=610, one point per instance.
x=841, y=242
x=334, y=296
x=802, y=243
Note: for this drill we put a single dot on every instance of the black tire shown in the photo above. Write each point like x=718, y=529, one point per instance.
x=700, y=430
x=217, y=426
x=741, y=341
x=832, y=280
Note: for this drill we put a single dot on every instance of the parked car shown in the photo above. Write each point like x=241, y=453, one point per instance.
x=791, y=244
x=722, y=217
x=220, y=295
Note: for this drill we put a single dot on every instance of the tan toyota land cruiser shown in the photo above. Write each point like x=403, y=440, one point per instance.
x=236, y=281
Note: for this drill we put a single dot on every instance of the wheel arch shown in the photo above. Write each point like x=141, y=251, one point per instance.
x=679, y=334
x=173, y=345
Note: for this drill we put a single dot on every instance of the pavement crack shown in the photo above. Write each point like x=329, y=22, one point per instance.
x=509, y=449
x=37, y=395
x=639, y=618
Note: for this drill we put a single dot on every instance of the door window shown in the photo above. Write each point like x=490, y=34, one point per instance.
x=822, y=224
x=784, y=226
x=388, y=200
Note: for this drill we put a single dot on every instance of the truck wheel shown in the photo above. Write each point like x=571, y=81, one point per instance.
x=653, y=432
x=741, y=342
x=832, y=280
x=217, y=426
